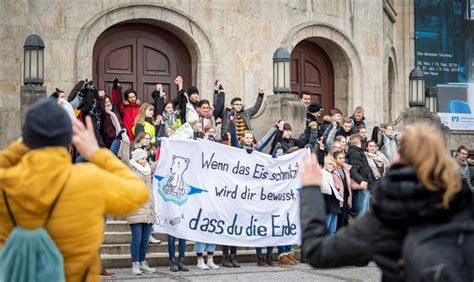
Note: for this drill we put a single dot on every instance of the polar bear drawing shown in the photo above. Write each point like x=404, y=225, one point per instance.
x=175, y=184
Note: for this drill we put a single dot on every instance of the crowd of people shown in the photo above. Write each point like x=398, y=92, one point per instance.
x=353, y=163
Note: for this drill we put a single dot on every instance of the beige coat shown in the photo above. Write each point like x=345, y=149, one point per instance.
x=146, y=214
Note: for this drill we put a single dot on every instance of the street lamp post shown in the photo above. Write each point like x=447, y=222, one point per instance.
x=417, y=88
x=432, y=99
x=281, y=71
x=33, y=71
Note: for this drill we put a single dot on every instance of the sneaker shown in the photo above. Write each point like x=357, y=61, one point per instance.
x=201, y=265
x=154, y=241
x=211, y=264
x=145, y=268
x=136, y=268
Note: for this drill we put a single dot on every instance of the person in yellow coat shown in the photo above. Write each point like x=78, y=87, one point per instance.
x=32, y=173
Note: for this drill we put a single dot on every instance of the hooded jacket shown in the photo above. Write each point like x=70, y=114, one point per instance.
x=400, y=207
x=360, y=170
x=33, y=179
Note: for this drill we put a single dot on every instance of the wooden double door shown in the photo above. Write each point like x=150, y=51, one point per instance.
x=140, y=56
x=312, y=72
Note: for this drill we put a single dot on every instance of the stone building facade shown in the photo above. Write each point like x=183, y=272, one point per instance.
x=345, y=52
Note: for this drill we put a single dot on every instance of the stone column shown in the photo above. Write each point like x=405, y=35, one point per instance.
x=284, y=107
x=422, y=114
x=29, y=95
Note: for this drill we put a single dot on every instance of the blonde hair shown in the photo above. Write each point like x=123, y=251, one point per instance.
x=141, y=115
x=422, y=147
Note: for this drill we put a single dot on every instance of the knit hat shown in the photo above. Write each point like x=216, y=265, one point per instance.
x=315, y=107
x=138, y=154
x=47, y=125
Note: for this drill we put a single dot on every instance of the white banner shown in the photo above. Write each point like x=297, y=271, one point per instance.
x=213, y=193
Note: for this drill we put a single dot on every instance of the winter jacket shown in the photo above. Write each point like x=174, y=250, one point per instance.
x=280, y=145
x=339, y=183
x=388, y=143
x=218, y=103
x=356, y=124
x=260, y=144
x=148, y=127
x=128, y=114
x=401, y=208
x=331, y=133
x=306, y=135
x=465, y=173
x=104, y=186
x=108, y=130
x=245, y=114
x=360, y=169
x=146, y=214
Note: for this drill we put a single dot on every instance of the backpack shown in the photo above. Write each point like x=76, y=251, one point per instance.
x=440, y=253
x=30, y=255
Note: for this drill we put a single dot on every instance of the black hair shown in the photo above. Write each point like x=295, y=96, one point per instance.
x=126, y=93
x=202, y=102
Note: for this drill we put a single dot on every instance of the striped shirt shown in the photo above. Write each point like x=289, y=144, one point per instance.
x=240, y=126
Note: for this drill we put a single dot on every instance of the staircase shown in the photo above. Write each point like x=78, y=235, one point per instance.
x=115, y=251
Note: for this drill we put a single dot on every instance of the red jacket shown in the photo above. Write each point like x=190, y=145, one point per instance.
x=129, y=113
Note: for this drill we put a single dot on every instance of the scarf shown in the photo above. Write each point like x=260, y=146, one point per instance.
x=375, y=161
x=390, y=146
x=145, y=170
x=114, y=119
x=206, y=118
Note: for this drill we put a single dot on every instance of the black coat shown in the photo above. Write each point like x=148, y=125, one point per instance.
x=400, y=205
x=360, y=170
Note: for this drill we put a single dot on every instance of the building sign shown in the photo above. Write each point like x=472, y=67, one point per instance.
x=440, y=41
x=442, y=37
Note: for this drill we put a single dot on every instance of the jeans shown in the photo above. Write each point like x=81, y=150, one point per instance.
x=115, y=146
x=331, y=223
x=140, y=236
x=225, y=250
x=172, y=248
x=204, y=247
x=269, y=252
x=284, y=249
x=361, y=201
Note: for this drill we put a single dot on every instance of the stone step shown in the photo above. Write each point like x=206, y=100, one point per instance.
x=117, y=249
x=117, y=226
x=125, y=237
x=161, y=259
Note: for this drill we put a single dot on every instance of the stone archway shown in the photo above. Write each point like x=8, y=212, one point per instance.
x=344, y=56
x=391, y=100
x=183, y=26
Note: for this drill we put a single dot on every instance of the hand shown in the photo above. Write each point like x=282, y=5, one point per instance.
x=320, y=142
x=363, y=185
x=262, y=88
x=159, y=87
x=101, y=93
x=179, y=81
x=159, y=119
x=310, y=172
x=280, y=125
x=84, y=138
x=377, y=125
x=126, y=103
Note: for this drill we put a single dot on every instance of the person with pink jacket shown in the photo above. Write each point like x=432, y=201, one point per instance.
x=342, y=181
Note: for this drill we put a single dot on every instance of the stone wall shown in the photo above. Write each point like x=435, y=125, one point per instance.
x=232, y=40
